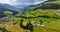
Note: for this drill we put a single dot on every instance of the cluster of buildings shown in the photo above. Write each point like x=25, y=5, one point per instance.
x=5, y=19
x=39, y=23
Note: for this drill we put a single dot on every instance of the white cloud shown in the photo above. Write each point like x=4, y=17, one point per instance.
x=18, y=2
x=30, y=3
x=37, y=2
x=11, y=2
x=4, y=1
x=14, y=0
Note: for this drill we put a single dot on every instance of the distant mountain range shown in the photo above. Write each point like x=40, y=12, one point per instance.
x=9, y=7
x=20, y=6
x=14, y=8
x=5, y=7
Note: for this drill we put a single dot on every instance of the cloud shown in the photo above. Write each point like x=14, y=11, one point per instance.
x=22, y=2
x=4, y=1
x=10, y=2
x=29, y=2
x=37, y=2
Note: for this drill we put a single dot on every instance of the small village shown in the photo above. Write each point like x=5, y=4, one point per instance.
x=39, y=23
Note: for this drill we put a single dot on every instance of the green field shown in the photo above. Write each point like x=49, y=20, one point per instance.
x=49, y=17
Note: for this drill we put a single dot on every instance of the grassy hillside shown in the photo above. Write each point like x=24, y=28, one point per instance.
x=48, y=12
x=53, y=2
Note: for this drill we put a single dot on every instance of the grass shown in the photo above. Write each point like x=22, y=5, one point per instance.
x=0, y=31
x=40, y=12
x=53, y=2
x=49, y=27
x=51, y=24
x=54, y=25
x=40, y=29
x=10, y=27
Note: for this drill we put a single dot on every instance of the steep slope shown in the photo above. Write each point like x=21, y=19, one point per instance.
x=2, y=9
x=49, y=9
x=42, y=8
x=50, y=4
x=10, y=7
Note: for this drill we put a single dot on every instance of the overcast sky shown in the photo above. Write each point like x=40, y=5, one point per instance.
x=21, y=2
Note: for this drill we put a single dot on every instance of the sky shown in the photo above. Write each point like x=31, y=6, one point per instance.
x=21, y=2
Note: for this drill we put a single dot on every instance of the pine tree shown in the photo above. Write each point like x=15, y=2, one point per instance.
x=29, y=26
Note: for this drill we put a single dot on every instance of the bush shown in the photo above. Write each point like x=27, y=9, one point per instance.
x=3, y=30
x=29, y=26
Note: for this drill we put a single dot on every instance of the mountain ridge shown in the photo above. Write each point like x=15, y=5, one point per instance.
x=2, y=9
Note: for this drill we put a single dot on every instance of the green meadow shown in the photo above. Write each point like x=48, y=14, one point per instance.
x=50, y=18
